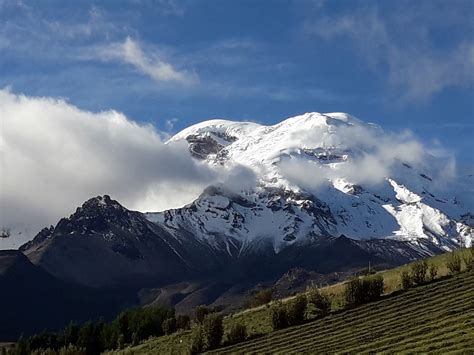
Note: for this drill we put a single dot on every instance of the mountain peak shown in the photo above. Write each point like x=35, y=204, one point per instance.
x=100, y=203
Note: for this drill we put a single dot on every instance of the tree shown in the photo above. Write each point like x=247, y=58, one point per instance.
x=405, y=279
x=237, y=333
x=183, y=322
x=432, y=271
x=353, y=292
x=374, y=286
x=72, y=350
x=212, y=331
x=367, y=289
x=197, y=341
x=71, y=334
x=468, y=258
x=418, y=271
x=201, y=312
x=453, y=263
x=320, y=302
x=278, y=316
x=263, y=297
x=169, y=325
x=295, y=310
x=89, y=339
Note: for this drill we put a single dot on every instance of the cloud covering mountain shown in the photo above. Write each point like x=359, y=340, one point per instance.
x=55, y=156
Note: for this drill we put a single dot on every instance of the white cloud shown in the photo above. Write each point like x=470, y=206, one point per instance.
x=130, y=52
x=374, y=156
x=55, y=156
x=169, y=124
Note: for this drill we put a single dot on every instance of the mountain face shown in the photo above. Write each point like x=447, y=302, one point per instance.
x=302, y=195
x=309, y=183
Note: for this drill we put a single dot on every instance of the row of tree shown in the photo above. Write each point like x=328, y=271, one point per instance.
x=129, y=327
x=422, y=271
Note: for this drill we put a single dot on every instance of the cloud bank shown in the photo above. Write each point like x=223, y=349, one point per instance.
x=373, y=156
x=55, y=156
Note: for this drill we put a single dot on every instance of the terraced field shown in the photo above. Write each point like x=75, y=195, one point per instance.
x=435, y=318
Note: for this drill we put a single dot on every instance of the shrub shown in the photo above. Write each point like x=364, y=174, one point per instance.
x=295, y=310
x=70, y=334
x=201, y=312
x=405, y=278
x=320, y=302
x=374, y=287
x=197, y=341
x=367, y=289
x=432, y=271
x=237, y=333
x=212, y=331
x=468, y=258
x=353, y=291
x=183, y=322
x=72, y=350
x=263, y=297
x=278, y=316
x=453, y=263
x=169, y=325
x=418, y=271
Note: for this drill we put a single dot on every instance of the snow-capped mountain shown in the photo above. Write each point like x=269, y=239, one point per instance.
x=326, y=192
x=308, y=184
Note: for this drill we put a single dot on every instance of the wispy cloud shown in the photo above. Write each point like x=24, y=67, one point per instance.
x=130, y=52
x=169, y=124
x=408, y=57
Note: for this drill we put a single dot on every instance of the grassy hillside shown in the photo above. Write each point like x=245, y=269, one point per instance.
x=435, y=317
x=437, y=314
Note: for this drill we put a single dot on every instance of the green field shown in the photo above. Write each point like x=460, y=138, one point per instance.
x=436, y=315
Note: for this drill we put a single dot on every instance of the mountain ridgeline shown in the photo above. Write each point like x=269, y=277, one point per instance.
x=219, y=247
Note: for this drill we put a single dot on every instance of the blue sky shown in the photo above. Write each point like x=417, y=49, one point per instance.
x=401, y=64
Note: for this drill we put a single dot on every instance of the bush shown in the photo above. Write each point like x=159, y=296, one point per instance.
x=237, y=333
x=453, y=263
x=320, y=302
x=169, y=325
x=212, y=331
x=201, y=312
x=367, y=289
x=278, y=316
x=183, y=322
x=405, y=278
x=197, y=341
x=418, y=271
x=374, y=287
x=295, y=310
x=72, y=350
x=469, y=259
x=263, y=297
x=432, y=271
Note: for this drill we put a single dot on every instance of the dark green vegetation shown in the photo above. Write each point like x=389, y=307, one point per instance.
x=436, y=317
x=129, y=327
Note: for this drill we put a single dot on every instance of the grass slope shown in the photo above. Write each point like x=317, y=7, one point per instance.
x=438, y=317
x=416, y=300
